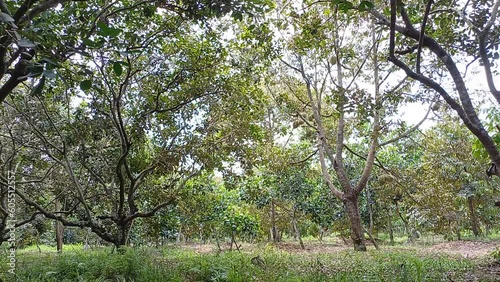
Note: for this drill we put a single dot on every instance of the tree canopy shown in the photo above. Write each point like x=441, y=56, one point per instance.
x=247, y=119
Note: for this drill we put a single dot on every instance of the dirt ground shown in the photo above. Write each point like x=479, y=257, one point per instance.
x=465, y=249
x=488, y=270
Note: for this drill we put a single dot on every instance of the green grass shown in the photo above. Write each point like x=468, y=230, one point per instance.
x=46, y=248
x=180, y=264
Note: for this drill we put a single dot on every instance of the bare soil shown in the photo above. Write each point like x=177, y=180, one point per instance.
x=487, y=271
x=466, y=249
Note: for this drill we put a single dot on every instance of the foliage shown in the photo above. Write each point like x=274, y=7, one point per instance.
x=178, y=264
x=148, y=121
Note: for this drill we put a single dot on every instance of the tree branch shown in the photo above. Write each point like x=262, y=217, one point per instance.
x=422, y=33
x=392, y=26
x=155, y=209
x=409, y=131
x=20, y=70
x=363, y=180
x=466, y=110
x=305, y=159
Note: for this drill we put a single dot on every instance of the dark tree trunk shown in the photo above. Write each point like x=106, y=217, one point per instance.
x=357, y=234
x=123, y=232
x=59, y=229
x=465, y=109
x=216, y=235
x=405, y=222
x=473, y=217
x=372, y=239
x=233, y=241
x=179, y=237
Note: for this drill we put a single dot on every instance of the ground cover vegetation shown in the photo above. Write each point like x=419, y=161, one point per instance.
x=249, y=126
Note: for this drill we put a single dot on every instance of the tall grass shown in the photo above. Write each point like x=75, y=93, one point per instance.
x=178, y=264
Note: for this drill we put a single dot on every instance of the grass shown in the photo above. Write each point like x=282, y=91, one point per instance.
x=181, y=264
x=46, y=248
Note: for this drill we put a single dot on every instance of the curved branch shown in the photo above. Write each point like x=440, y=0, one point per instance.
x=163, y=204
x=306, y=158
x=466, y=109
x=409, y=131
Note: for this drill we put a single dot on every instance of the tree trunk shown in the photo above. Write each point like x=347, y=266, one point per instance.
x=233, y=241
x=391, y=231
x=458, y=222
x=473, y=217
x=297, y=233
x=86, y=244
x=321, y=233
x=357, y=236
x=372, y=239
x=179, y=235
x=274, y=232
x=59, y=229
x=123, y=232
x=216, y=235
x=465, y=109
x=405, y=222
x=370, y=210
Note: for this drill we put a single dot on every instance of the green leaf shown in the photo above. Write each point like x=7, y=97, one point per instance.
x=25, y=43
x=17, y=36
x=345, y=6
x=39, y=87
x=365, y=5
x=108, y=31
x=85, y=85
x=237, y=16
x=6, y=18
x=33, y=71
x=63, y=80
x=117, y=68
x=49, y=74
x=49, y=61
x=88, y=42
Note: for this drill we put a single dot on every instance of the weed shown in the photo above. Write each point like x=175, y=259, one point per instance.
x=177, y=264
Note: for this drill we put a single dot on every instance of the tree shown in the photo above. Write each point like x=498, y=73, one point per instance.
x=19, y=59
x=141, y=130
x=449, y=183
x=37, y=36
x=479, y=20
x=13, y=214
x=396, y=182
x=325, y=94
x=131, y=117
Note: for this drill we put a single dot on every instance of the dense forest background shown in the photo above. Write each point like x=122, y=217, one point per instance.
x=148, y=122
